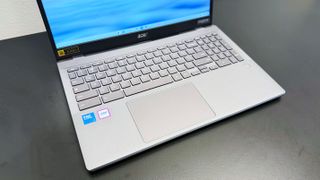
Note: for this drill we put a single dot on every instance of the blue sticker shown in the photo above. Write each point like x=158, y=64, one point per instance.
x=88, y=118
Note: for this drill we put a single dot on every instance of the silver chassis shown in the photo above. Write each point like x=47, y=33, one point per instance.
x=229, y=91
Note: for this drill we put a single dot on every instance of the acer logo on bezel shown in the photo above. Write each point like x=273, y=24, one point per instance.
x=142, y=35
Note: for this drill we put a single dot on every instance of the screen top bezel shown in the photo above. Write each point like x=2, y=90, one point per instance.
x=123, y=40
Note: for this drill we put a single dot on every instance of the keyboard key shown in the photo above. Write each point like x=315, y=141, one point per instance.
x=95, y=85
x=103, y=90
x=182, y=47
x=194, y=73
x=200, y=55
x=172, y=70
x=166, y=51
x=106, y=82
x=177, y=77
x=157, y=60
x=77, y=81
x=174, y=49
x=125, y=84
x=215, y=57
x=151, y=50
x=148, y=85
x=227, y=53
x=149, y=56
x=163, y=73
x=145, y=79
x=233, y=59
x=135, y=81
x=140, y=65
x=121, y=70
x=97, y=63
x=148, y=62
x=222, y=49
x=122, y=63
x=223, y=62
x=189, y=65
x=239, y=58
x=90, y=78
x=213, y=66
x=130, y=68
x=221, y=56
x=204, y=69
x=164, y=65
x=110, y=60
x=111, y=72
x=81, y=88
x=180, y=61
x=142, y=53
x=185, y=74
x=72, y=69
x=93, y=70
x=183, y=53
x=82, y=73
x=155, y=68
x=172, y=63
x=191, y=51
x=203, y=61
x=166, y=58
x=136, y=73
x=113, y=65
x=102, y=68
x=198, y=49
x=120, y=58
x=130, y=55
x=154, y=76
x=89, y=103
x=226, y=45
x=181, y=68
x=157, y=54
x=112, y=96
x=131, y=60
x=145, y=71
x=114, y=87
x=189, y=58
x=85, y=66
x=174, y=55
x=126, y=76
x=72, y=75
x=141, y=58
x=116, y=79
x=86, y=95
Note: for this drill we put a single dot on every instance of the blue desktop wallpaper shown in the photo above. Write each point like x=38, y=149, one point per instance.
x=78, y=21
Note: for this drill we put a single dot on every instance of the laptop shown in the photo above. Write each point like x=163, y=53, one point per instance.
x=138, y=73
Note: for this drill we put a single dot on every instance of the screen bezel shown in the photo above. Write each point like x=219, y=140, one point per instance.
x=123, y=40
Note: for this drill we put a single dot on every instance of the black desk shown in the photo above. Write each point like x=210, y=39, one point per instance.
x=278, y=140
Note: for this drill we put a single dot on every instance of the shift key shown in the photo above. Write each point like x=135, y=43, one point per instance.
x=89, y=103
x=86, y=95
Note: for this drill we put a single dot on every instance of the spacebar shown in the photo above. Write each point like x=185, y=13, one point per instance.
x=147, y=86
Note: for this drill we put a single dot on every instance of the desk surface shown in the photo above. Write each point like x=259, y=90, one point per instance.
x=278, y=140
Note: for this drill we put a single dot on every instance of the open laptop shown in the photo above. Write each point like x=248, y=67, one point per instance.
x=138, y=73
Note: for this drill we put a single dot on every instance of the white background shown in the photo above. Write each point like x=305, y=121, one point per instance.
x=18, y=18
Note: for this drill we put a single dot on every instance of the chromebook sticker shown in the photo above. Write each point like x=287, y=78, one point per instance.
x=104, y=114
x=88, y=118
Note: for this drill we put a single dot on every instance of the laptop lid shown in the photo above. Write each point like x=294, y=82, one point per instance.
x=89, y=26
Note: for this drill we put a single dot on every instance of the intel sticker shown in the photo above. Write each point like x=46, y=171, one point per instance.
x=88, y=118
x=104, y=114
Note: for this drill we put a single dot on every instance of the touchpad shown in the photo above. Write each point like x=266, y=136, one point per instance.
x=162, y=114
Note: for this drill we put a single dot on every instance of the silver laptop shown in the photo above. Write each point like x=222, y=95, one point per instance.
x=138, y=73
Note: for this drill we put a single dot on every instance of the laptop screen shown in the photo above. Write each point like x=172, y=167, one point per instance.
x=74, y=22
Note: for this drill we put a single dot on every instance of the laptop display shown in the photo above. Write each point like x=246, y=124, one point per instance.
x=75, y=22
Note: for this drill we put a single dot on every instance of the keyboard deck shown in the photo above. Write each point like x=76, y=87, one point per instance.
x=115, y=78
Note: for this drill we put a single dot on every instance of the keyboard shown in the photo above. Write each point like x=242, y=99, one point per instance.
x=115, y=78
